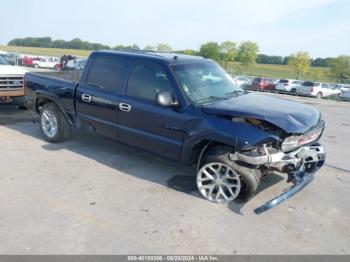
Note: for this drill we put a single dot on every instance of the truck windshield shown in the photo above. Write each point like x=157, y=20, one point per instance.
x=203, y=82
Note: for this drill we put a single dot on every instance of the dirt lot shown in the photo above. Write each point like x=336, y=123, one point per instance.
x=91, y=195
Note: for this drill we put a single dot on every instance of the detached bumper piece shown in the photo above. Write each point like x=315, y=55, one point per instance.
x=300, y=178
x=300, y=165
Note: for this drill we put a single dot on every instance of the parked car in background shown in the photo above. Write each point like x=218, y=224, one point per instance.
x=263, y=84
x=288, y=86
x=80, y=63
x=344, y=87
x=3, y=57
x=243, y=82
x=318, y=90
x=11, y=58
x=11, y=83
x=345, y=96
x=75, y=64
x=50, y=62
x=28, y=61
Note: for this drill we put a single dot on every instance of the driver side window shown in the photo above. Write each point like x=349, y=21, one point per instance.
x=146, y=80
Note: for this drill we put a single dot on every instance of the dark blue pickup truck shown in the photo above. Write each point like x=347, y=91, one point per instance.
x=189, y=110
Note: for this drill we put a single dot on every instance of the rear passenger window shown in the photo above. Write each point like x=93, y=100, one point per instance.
x=146, y=80
x=106, y=73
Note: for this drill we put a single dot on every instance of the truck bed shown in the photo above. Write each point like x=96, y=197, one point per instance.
x=72, y=76
x=60, y=86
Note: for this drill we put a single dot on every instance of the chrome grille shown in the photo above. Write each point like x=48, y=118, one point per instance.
x=11, y=82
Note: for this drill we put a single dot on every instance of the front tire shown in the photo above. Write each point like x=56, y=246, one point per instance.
x=220, y=180
x=54, y=125
x=319, y=95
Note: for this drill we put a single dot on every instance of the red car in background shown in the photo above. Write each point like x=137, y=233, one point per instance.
x=28, y=61
x=263, y=84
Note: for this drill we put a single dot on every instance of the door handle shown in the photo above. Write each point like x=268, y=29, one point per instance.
x=86, y=98
x=124, y=107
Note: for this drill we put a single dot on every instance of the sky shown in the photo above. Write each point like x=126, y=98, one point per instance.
x=280, y=27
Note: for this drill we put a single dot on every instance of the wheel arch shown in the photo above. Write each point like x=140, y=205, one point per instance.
x=43, y=98
x=203, y=147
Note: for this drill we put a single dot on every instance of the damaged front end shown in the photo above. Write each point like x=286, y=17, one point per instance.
x=299, y=156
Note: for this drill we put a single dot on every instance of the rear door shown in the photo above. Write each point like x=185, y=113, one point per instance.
x=97, y=95
x=324, y=89
x=144, y=124
x=333, y=89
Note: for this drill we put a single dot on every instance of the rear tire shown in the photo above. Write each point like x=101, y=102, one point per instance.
x=293, y=91
x=54, y=125
x=249, y=178
x=319, y=95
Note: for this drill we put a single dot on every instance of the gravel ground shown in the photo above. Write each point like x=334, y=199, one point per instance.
x=91, y=195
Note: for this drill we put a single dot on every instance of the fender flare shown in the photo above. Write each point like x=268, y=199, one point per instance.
x=53, y=98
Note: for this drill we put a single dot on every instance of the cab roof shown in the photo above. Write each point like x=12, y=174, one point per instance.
x=169, y=58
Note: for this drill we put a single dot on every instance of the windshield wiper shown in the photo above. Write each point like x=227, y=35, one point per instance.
x=234, y=92
x=210, y=98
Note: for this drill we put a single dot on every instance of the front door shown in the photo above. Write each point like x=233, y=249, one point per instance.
x=144, y=124
x=97, y=95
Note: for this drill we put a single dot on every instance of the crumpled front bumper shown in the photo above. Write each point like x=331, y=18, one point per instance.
x=311, y=158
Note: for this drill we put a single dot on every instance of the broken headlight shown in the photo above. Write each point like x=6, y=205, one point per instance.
x=294, y=142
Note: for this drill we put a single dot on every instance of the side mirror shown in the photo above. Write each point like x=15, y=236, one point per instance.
x=165, y=99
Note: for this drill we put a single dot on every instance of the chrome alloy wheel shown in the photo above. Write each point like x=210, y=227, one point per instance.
x=49, y=123
x=218, y=182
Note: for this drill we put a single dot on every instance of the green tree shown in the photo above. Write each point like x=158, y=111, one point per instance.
x=227, y=52
x=150, y=48
x=163, y=47
x=285, y=60
x=128, y=47
x=210, y=50
x=187, y=52
x=247, y=53
x=317, y=74
x=320, y=62
x=340, y=68
x=300, y=63
x=58, y=44
x=135, y=47
x=75, y=43
x=266, y=59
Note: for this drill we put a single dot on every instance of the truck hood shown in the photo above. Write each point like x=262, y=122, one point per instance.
x=11, y=70
x=290, y=116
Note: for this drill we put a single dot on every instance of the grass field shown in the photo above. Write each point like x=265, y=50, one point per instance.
x=273, y=71
x=45, y=51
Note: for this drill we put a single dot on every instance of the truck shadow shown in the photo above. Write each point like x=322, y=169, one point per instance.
x=10, y=114
x=134, y=162
x=266, y=182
